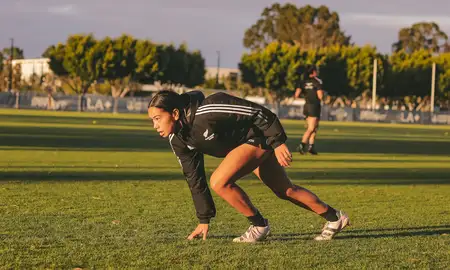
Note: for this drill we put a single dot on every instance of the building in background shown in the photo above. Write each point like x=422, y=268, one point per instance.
x=211, y=73
x=38, y=66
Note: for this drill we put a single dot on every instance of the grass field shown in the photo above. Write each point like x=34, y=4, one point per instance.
x=97, y=191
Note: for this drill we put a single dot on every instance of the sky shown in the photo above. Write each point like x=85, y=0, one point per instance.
x=206, y=25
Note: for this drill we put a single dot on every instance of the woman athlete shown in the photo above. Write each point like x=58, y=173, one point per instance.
x=312, y=87
x=249, y=138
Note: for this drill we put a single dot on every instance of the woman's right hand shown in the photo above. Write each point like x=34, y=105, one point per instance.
x=201, y=230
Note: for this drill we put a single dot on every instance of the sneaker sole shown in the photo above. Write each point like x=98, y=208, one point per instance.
x=345, y=223
x=260, y=240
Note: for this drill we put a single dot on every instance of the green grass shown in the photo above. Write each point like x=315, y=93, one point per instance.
x=110, y=194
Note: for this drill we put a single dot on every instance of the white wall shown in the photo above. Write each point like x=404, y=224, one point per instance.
x=39, y=66
x=211, y=72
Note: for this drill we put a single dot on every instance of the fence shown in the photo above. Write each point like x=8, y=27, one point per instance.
x=107, y=104
x=61, y=102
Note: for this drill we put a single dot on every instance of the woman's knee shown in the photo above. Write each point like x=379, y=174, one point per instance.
x=310, y=129
x=218, y=183
x=290, y=192
x=285, y=194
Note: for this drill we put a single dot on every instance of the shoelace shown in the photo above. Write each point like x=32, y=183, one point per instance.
x=250, y=233
x=325, y=232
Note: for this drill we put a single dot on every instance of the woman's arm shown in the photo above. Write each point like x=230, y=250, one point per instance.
x=193, y=167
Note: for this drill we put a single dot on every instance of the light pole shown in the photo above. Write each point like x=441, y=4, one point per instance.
x=11, y=57
x=218, y=68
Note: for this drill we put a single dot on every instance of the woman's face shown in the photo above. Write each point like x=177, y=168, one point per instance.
x=163, y=121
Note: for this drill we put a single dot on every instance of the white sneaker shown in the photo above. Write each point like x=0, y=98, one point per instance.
x=254, y=234
x=332, y=228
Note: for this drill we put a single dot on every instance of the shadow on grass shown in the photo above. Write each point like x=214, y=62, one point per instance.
x=87, y=120
x=381, y=146
x=370, y=233
x=384, y=176
x=90, y=176
x=396, y=234
x=375, y=233
x=94, y=138
x=86, y=139
x=375, y=175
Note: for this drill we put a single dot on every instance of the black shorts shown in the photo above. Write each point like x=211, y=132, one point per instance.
x=259, y=142
x=311, y=110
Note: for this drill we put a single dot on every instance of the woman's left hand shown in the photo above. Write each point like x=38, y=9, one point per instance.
x=283, y=155
x=200, y=231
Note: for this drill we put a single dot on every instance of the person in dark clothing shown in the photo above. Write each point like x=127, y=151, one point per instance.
x=249, y=138
x=313, y=92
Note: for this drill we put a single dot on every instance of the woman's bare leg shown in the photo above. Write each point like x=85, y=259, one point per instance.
x=311, y=125
x=313, y=135
x=274, y=176
x=238, y=163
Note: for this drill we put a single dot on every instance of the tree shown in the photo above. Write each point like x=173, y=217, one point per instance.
x=275, y=63
x=33, y=83
x=3, y=84
x=307, y=27
x=196, y=69
x=178, y=66
x=56, y=55
x=16, y=76
x=1, y=62
x=409, y=74
x=123, y=62
x=443, y=75
x=278, y=68
x=147, y=66
x=118, y=64
x=5, y=77
x=348, y=71
x=79, y=61
x=18, y=52
x=446, y=47
x=251, y=70
x=173, y=64
x=423, y=35
x=274, y=70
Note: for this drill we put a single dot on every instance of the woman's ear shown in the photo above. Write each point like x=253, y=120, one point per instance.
x=176, y=114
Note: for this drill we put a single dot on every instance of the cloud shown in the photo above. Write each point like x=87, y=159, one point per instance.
x=62, y=10
x=391, y=20
x=67, y=9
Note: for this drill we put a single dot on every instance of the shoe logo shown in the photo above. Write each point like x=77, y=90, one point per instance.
x=208, y=138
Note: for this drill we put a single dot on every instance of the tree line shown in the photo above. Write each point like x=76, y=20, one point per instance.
x=281, y=43
x=346, y=70
x=287, y=38
x=312, y=28
x=123, y=62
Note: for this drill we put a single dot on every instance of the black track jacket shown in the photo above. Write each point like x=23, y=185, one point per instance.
x=214, y=126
